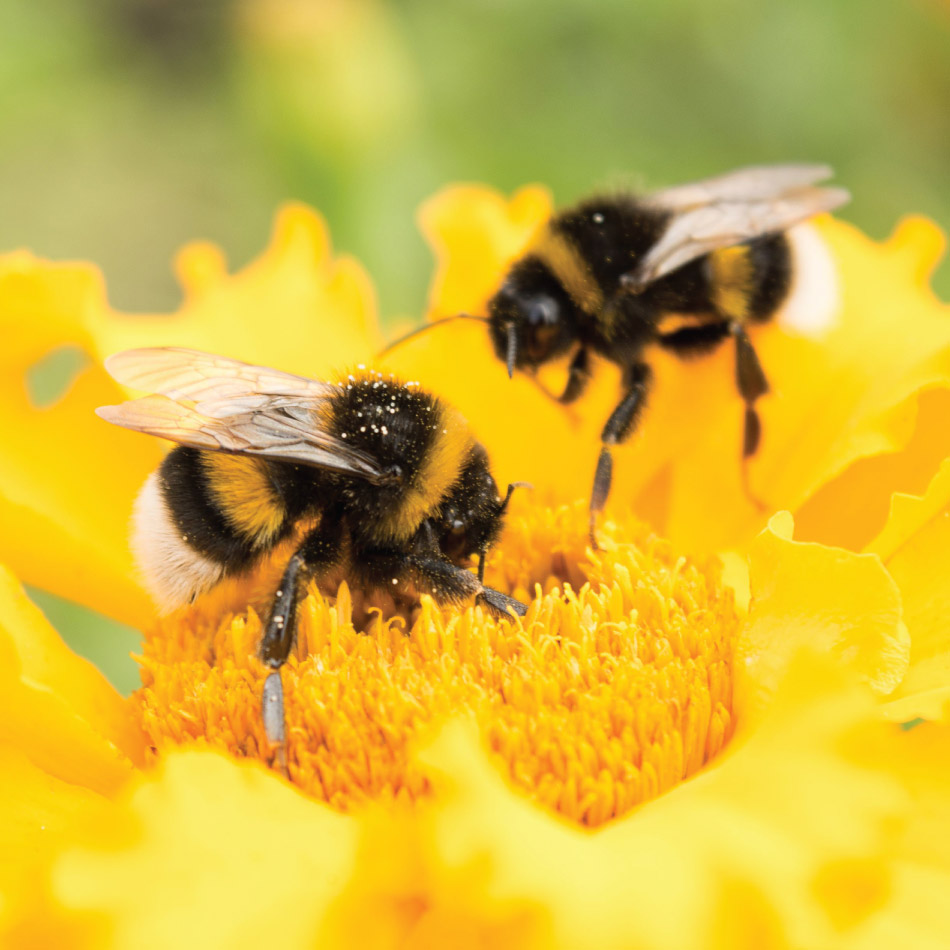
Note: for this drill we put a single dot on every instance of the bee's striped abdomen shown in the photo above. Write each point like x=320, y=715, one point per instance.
x=202, y=516
x=244, y=490
x=732, y=281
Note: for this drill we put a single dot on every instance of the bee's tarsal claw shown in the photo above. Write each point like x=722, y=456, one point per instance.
x=502, y=603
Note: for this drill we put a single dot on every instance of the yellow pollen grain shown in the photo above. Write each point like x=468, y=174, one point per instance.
x=615, y=687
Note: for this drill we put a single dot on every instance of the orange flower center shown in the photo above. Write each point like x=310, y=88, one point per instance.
x=615, y=687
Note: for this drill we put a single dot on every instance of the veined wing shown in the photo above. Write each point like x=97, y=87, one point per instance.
x=210, y=402
x=729, y=210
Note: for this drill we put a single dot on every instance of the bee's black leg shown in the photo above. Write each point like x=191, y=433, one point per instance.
x=451, y=583
x=275, y=646
x=278, y=638
x=578, y=376
x=751, y=382
x=620, y=425
x=319, y=549
x=445, y=581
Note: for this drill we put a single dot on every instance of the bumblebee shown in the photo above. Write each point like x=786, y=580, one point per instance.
x=367, y=476
x=609, y=275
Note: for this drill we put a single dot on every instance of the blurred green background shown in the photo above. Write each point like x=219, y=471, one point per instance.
x=128, y=127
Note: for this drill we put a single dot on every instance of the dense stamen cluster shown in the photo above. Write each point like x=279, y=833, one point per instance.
x=616, y=686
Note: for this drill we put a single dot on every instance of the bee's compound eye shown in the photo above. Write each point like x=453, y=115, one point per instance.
x=541, y=310
x=458, y=526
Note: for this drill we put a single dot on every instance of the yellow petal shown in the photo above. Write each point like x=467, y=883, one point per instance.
x=475, y=234
x=827, y=599
x=918, y=913
x=208, y=852
x=296, y=307
x=785, y=822
x=64, y=494
x=39, y=813
x=852, y=508
x=915, y=548
x=57, y=707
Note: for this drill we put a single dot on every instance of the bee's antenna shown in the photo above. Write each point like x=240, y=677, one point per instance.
x=512, y=348
x=429, y=326
x=511, y=491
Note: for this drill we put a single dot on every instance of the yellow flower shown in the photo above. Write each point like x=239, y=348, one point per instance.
x=639, y=762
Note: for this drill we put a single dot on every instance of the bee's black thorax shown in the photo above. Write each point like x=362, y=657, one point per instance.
x=396, y=425
x=610, y=235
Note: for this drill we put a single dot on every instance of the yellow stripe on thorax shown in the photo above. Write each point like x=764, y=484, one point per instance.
x=245, y=495
x=566, y=263
x=451, y=443
x=732, y=281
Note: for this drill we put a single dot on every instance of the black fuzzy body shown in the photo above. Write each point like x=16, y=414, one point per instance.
x=604, y=239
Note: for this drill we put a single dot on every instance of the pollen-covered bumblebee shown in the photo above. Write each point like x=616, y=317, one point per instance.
x=606, y=275
x=368, y=475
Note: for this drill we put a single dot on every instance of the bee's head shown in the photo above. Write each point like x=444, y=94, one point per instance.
x=471, y=516
x=532, y=317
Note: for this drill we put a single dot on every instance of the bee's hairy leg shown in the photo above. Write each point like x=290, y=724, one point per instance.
x=751, y=383
x=448, y=582
x=279, y=634
x=445, y=581
x=578, y=377
x=319, y=549
x=620, y=425
x=274, y=649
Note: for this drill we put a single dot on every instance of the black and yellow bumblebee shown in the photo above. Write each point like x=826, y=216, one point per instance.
x=606, y=276
x=368, y=477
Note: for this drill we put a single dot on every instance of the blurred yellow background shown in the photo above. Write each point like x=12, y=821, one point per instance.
x=128, y=127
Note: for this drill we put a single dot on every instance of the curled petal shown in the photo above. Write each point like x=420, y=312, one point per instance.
x=826, y=599
x=64, y=495
x=915, y=548
x=56, y=707
x=475, y=234
x=296, y=307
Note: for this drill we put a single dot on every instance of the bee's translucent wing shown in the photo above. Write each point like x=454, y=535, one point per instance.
x=193, y=375
x=210, y=402
x=754, y=183
x=729, y=210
